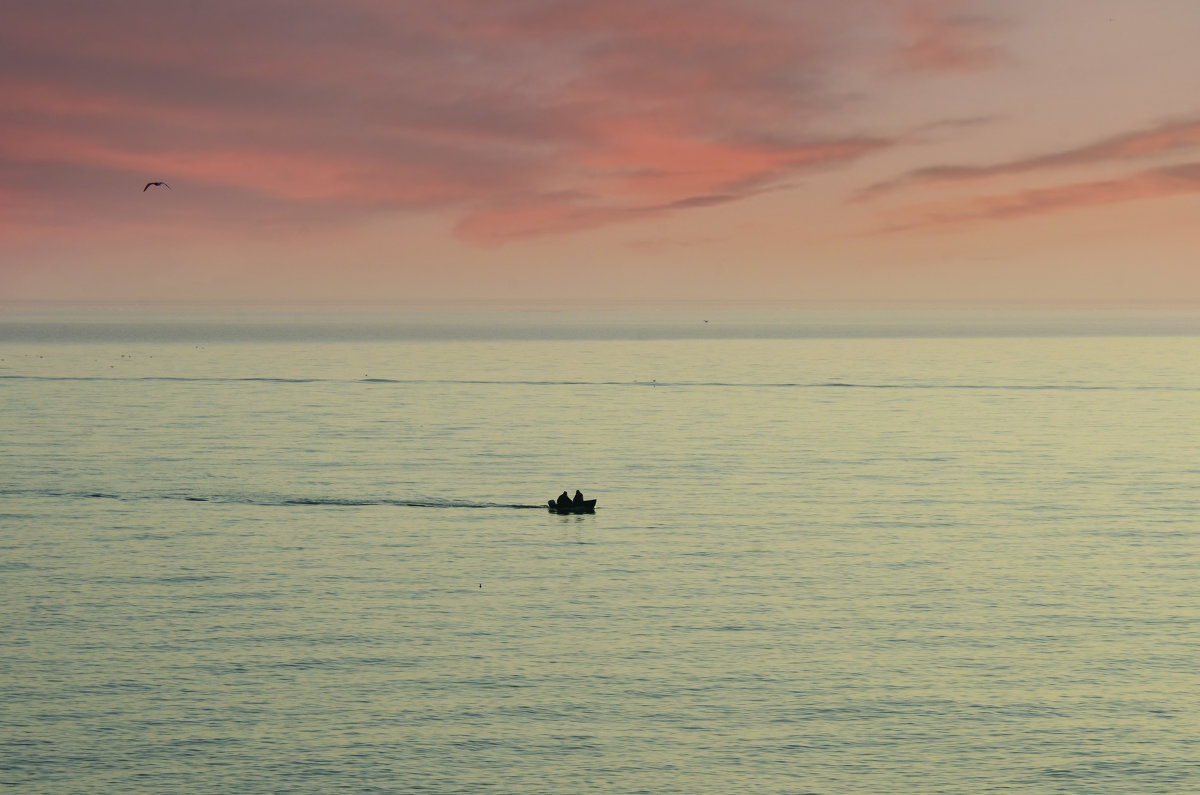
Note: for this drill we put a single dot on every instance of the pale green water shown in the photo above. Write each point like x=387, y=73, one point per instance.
x=818, y=565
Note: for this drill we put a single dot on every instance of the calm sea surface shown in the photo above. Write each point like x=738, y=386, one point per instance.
x=847, y=564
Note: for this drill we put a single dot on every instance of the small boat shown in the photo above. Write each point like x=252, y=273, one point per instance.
x=584, y=506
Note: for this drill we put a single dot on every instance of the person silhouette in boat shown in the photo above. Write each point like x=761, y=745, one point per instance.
x=564, y=502
x=578, y=501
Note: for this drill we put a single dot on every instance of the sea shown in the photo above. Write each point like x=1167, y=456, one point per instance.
x=833, y=552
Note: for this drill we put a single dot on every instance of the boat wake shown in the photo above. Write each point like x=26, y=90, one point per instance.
x=277, y=500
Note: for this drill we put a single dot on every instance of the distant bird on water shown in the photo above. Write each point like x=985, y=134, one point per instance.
x=148, y=184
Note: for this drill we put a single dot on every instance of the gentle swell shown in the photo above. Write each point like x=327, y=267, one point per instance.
x=681, y=384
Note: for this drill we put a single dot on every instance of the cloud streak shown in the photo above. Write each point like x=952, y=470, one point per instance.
x=1168, y=181
x=1164, y=139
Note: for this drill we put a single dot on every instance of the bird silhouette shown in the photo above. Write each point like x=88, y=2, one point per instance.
x=148, y=184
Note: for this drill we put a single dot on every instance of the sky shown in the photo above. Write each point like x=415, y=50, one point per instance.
x=577, y=152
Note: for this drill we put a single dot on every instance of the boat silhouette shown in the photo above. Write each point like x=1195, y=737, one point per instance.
x=565, y=504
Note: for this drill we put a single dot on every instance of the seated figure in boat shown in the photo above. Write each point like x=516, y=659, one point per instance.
x=578, y=501
x=564, y=502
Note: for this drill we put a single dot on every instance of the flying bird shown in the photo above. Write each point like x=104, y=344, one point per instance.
x=148, y=184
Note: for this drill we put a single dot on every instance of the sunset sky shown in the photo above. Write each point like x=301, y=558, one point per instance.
x=952, y=151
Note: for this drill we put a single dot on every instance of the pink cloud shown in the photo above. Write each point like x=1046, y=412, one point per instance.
x=552, y=214
x=616, y=110
x=1168, y=138
x=642, y=182
x=1154, y=184
x=645, y=159
x=945, y=36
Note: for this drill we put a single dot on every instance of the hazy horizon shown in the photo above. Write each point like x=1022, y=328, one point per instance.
x=74, y=323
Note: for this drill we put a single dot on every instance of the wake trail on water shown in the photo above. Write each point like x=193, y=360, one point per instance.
x=276, y=500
